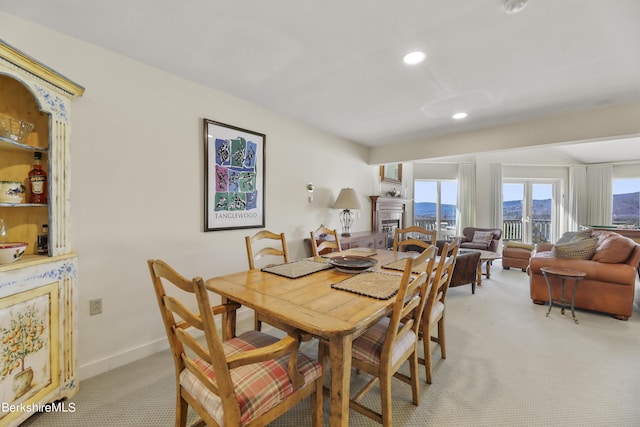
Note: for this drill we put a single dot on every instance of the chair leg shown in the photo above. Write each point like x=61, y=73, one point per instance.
x=427, y=359
x=257, y=323
x=443, y=347
x=316, y=403
x=182, y=408
x=323, y=359
x=415, y=383
x=385, y=394
x=426, y=341
x=322, y=355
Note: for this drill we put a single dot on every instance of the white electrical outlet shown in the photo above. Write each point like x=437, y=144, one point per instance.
x=95, y=306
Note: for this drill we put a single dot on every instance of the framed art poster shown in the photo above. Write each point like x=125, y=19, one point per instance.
x=234, y=177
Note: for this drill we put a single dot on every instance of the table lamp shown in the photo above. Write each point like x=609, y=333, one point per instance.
x=347, y=200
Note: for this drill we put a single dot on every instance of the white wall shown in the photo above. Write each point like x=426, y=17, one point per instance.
x=137, y=186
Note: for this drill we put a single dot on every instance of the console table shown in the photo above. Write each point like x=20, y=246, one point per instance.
x=365, y=239
x=359, y=239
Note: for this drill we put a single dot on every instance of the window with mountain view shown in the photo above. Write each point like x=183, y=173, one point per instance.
x=626, y=202
x=435, y=206
x=528, y=211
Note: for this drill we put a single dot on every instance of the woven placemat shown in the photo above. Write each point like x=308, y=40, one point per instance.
x=371, y=284
x=366, y=252
x=296, y=269
x=402, y=263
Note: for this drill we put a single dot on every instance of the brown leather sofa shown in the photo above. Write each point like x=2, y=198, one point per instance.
x=611, y=274
x=467, y=240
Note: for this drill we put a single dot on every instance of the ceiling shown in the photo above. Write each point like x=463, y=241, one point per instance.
x=337, y=65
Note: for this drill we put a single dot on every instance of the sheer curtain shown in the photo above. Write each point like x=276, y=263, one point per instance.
x=578, y=196
x=466, y=203
x=495, y=209
x=600, y=187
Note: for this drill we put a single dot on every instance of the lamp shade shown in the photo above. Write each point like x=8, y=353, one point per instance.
x=347, y=199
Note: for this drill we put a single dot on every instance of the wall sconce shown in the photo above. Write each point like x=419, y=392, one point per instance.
x=310, y=188
x=347, y=200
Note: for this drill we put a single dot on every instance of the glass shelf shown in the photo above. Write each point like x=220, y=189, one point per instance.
x=10, y=144
x=22, y=205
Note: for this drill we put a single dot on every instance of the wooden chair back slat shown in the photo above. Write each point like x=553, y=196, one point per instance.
x=412, y=236
x=323, y=239
x=255, y=254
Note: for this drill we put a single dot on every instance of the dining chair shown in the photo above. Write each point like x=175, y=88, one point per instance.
x=254, y=254
x=384, y=347
x=256, y=250
x=405, y=239
x=224, y=382
x=434, y=310
x=323, y=239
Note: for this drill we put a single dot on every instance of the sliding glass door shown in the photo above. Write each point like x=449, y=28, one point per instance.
x=435, y=206
x=529, y=211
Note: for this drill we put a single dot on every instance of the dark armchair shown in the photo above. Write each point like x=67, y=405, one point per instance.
x=466, y=268
x=486, y=239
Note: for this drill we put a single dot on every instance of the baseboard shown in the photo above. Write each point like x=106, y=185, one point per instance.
x=115, y=361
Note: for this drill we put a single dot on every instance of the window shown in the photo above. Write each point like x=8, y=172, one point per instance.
x=626, y=201
x=529, y=210
x=434, y=206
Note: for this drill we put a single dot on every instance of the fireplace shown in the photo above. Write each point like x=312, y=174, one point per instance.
x=388, y=225
x=387, y=213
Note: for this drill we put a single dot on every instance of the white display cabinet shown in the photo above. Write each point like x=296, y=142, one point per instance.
x=38, y=292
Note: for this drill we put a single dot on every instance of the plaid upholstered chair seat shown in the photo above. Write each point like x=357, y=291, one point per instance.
x=259, y=386
x=368, y=347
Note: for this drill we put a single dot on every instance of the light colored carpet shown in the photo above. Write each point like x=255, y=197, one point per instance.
x=507, y=365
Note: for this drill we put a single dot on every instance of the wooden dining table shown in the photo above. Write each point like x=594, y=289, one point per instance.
x=310, y=304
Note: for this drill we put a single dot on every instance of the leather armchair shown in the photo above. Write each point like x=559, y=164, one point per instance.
x=467, y=240
x=466, y=268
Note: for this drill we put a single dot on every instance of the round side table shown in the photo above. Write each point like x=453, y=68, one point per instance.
x=563, y=274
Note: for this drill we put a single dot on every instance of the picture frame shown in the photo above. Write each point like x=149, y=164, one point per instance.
x=391, y=172
x=234, y=177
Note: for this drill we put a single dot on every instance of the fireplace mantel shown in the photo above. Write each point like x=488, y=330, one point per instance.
x=388, y=213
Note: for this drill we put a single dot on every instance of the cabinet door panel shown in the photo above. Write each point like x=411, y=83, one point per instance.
x=381, y=242
x=363, y=243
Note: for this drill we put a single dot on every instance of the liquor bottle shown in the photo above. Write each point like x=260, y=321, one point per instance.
x=37, y=181
x=43, y=241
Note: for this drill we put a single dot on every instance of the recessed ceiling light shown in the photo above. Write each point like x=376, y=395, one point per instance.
x=413, y=58
x=459, y=116
x=514, y=6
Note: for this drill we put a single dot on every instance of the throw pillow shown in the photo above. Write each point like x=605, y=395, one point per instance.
x=579, y=249
x=482, y=237
x=570, y=235
x=613, y=249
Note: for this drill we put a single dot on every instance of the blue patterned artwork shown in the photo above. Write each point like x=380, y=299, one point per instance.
x=234, y=177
